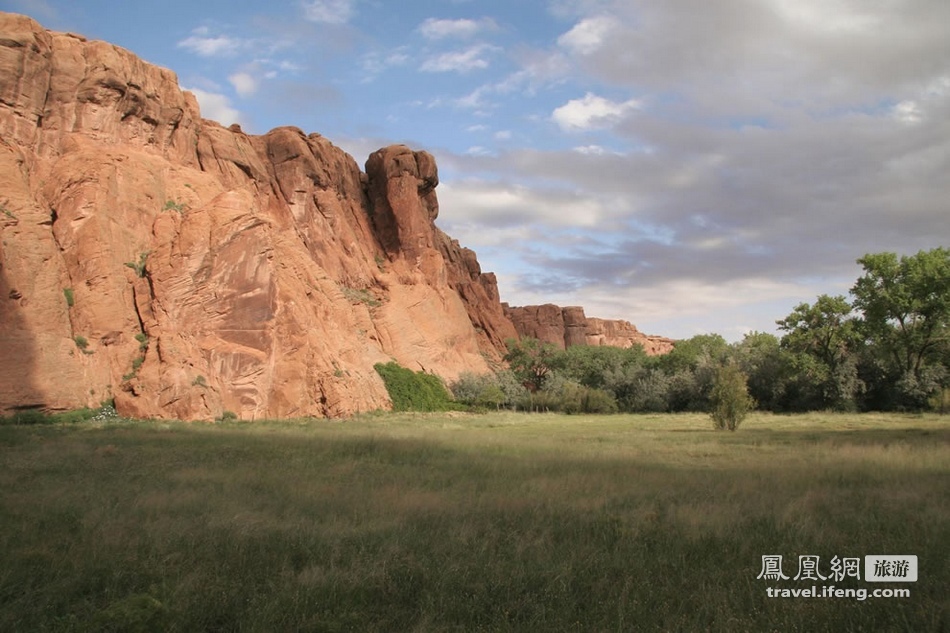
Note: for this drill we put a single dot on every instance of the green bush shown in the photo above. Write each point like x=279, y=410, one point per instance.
x=70, y=297
x=29, y=417
x=414, y=391
x=598, y=401
x=730, y=398
x=491, y=397
x=81, y=342
x=573, y=398
x=74, y=417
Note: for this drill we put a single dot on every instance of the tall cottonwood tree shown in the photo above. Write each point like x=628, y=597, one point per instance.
x=824, y=330
x=824, y=336
x=905, y=303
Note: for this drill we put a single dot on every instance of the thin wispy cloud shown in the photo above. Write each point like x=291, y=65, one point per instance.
x=329, y=11
x=439, y=29
x=202, y=43
x=473, y=58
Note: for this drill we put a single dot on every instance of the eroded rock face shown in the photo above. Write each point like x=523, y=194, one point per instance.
x=564, y=327
x=186, y=269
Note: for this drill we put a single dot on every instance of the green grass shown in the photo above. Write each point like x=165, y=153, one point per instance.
x=456, y=522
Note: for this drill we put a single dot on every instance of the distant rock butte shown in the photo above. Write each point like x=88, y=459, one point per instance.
x=564, y=327
x=186, y=269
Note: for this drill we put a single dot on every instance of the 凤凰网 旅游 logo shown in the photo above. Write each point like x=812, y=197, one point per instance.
x=877, y=568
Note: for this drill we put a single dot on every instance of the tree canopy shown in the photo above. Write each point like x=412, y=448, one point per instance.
x=905, y=302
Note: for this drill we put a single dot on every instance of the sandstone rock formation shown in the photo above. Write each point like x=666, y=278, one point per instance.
x=564, y=327
x=186, y=269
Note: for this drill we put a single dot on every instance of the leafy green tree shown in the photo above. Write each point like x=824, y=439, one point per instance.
x=905, y=302
x=514, y=390
x=491, y=397
x=691, y=366
x=692, y=352
x=768, y=367
x=590, y=364
x=730, y=398
x=469, y=386
x=530, y=360
x=825, y=332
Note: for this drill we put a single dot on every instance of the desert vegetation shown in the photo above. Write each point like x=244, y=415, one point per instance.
x=455, y=521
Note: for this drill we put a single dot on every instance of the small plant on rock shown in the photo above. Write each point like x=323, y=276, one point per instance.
x=172, y=205
x=139, y=267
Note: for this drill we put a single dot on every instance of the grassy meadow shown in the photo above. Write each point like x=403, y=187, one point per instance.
x=458, y=522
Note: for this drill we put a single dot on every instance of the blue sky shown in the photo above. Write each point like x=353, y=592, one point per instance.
x=688, y=166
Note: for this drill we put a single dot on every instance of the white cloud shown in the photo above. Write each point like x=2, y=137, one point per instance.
x=472, y=58
x=244, y=83
x=590, y=150
x=289, y=66
x=475, y=101
x=437, y=29
x=907, y=112
x=375, y=63
x=588, y=35
x=591, y=112
x=833, y=16
x=502, y=135
x=216, y=107
x=220, y=46
x=328, y=11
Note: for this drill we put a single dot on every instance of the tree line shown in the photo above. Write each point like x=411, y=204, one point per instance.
x=886, y=348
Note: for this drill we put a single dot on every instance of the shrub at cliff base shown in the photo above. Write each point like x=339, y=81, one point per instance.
x=414, y=390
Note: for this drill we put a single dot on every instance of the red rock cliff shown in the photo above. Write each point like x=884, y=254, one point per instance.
x=186, y=269
x=569, y=326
